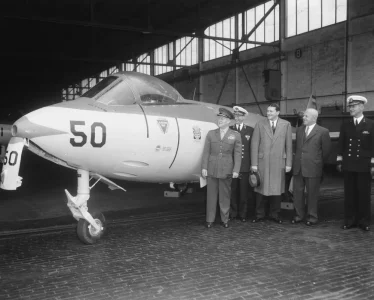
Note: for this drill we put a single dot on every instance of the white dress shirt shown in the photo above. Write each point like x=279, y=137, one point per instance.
x=358, y=119
x=309, y=129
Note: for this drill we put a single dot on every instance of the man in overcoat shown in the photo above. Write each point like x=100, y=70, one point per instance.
x=240, y=188
x=312, y=150
x=220, y=163
x=271, y=157
x=356, y=160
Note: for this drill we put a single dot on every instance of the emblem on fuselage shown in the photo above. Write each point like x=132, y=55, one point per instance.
x=196, y=133
x=164, y=125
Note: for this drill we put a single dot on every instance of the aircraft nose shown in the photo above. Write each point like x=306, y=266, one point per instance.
x=24, y=128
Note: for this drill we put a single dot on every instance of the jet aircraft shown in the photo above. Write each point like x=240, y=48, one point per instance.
x=130, y=126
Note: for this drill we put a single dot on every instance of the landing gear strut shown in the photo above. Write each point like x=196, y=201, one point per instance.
x=90, y=227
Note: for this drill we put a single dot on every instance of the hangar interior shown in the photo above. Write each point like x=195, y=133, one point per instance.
x=248, y=53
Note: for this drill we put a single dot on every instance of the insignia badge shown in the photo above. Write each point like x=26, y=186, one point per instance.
x=164, y=125
x=366, y=132
x=247, y=137
x=196, y=133
x=231, y=137
x=158, y=148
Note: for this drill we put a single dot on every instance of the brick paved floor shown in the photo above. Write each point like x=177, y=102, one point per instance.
x=172, y=256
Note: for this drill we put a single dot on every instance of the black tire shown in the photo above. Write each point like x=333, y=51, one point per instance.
x=182, y=188
x=86, y=232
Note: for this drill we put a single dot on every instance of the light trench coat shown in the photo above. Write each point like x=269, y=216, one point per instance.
x=271, y=153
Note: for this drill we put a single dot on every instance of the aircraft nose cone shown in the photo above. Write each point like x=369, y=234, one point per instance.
x=24, y=128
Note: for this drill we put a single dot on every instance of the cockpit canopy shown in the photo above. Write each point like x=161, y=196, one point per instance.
x=126, y=88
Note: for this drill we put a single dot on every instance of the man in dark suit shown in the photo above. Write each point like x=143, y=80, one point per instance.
x=356, y=160
x=312, y=149
x=220, y=163
x=240, y=186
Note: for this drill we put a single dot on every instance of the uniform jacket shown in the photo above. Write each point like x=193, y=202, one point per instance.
x=246, y=135
x=222, y=157
x=356, y=145
x=271, y=153
x=311, y=151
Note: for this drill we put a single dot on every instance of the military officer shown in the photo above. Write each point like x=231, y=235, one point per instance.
x=220, y=163
x=240, y=186
x=356, y=160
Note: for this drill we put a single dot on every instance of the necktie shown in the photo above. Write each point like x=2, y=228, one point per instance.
x=238, y=127
x=356, y=122
x=307, y=131
x=272, y=126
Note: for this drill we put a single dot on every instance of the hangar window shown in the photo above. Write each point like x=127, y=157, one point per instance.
x=267, y=32
x=186, y=51
x=305, y=15
x=113, y=70
x=141, y=64
x=218, y=48
x=163, y=55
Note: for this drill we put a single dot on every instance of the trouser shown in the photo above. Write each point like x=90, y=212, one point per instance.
x=218, y=188
x=312, y=185
x=274, y=209
x=239, y=196
x=357, y=193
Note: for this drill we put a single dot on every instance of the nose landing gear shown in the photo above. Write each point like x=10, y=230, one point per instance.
x=90, y=227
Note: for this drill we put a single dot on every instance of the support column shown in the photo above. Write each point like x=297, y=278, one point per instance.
x=283, y=60
x=200, y=53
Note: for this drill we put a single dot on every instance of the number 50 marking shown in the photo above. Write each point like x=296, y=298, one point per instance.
x=13, y=156
x=82, y=137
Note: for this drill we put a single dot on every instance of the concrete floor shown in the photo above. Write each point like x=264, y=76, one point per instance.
x=158, y=248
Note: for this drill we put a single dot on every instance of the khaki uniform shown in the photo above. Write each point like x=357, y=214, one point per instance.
x=221, y=158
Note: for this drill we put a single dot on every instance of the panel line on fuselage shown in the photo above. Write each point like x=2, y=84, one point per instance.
x=176, y=152
x=146, y=121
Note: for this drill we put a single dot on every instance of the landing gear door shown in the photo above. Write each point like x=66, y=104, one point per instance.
x=12, y=161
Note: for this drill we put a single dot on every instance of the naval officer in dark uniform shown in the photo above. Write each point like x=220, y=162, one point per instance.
x=220, y=163
x=240, y=187
x=356, y=160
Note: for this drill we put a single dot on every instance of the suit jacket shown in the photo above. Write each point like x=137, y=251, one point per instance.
x=246, y=135
x=356, y=145
x=222, y=157
x=271, y=153
x=311, y=152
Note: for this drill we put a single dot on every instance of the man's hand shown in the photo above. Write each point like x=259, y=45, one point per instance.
x=339, y=168
x=235, y=175
x=204, y=172
x=254, y=168
x=288, y=169
x=372, y=172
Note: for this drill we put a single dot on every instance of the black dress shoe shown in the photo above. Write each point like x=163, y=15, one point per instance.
x=225, y=225
x=309, y=223
x=276, y=220
x=243, y=219
x=208, y=224
x=295, y=221
x=365, y=227
x=258, y=220
x=348, y=226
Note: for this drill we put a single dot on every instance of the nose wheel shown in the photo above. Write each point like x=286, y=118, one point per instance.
x=87, y=233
